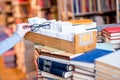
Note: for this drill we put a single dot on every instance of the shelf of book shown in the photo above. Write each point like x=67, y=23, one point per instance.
x=44, y=8
x=84, y=8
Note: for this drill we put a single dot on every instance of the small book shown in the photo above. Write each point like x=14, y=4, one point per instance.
x=56, y=71
x=87, y=59
x=55, y=64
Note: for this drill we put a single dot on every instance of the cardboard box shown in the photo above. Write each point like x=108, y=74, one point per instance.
x=82, y=42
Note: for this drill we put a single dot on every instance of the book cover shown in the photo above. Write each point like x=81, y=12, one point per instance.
x=55, y=64
x=111, y=30
x=88, y=58
x=114, y=63
x=56, y=71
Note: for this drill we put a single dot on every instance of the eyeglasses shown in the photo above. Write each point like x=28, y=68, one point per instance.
x=35, y=27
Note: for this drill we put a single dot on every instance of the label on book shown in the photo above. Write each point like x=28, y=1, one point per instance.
x=86, y=38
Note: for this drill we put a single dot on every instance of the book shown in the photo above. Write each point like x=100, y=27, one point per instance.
x=51, y=52
x=85, y=68
x=55, y=64
x=116, y=41
x=105, y=66
x=114, y=63
x=84, y=72
x=87, y=59
x=54, y=77
x=105, y=46
x=56, y=71
x=112, y=31
x=83, y=77
x=111, y=37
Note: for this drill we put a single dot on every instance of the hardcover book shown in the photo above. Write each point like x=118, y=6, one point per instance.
x=56, y=71
x=55, y=64
x=88, y=59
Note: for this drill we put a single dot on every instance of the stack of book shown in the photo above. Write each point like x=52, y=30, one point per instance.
x=25, y=56
x=54, y=63
x=84, y=64
x=108, y=67
x=112, y=35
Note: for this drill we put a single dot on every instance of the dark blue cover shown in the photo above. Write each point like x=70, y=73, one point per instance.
x=74, y=5
x=53, y=64
x=51, y=70
x=89, y=57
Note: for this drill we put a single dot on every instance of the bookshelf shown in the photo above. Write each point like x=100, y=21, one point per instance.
x=76, y=9
x=21, y=10
x=7, y=12
x=44, y=8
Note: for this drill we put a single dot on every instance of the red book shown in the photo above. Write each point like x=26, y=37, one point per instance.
x=112, y=31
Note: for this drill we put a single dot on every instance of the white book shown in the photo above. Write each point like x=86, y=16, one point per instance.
x=52, y=76
x=84, y=77
x=83, y=64
x=112, y=60
x=76, y=78
x=85, y=68
x=55, y=59
x=84, y=71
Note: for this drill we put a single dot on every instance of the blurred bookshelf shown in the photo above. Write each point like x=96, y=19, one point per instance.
x=93, y=9
x=44, y=8
x=7, y=12
x=21, y=10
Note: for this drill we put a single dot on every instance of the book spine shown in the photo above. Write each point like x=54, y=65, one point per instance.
x=51, y=70
x=54, y=64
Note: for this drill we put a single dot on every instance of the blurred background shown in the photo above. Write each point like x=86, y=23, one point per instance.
x=17, y=63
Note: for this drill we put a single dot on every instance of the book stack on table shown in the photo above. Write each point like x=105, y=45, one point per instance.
x=25, y=56
x=84, y=64
x=112, y=35
x=54, y=64
x=108, y=67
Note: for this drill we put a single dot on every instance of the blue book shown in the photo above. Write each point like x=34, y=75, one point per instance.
x=53, y=64
x=87, y=59
x=56, y=71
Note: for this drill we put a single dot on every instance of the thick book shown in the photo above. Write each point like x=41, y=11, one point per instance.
x=87, y=59
x=112, y=60
x=55, y=64
x=112, y=31
x=56, y=71
x=49, y=76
